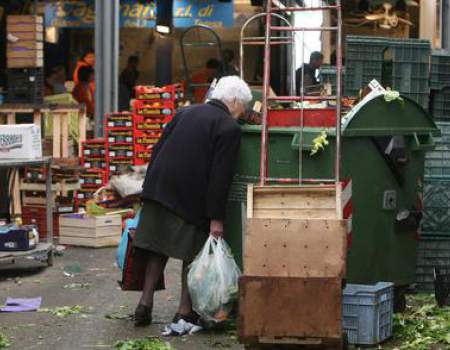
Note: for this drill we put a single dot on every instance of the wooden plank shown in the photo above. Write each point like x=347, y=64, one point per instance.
x=339, y=204
x=56, y=135
x=82, y=124
x=24, y=28
x=65, y=135
x=250, y=189
x=290, y=308
x=293, y=202
x=293, y=214
x=38, y=36
x=295, y=248
x=11, y=118
x=90, y=242
x=107, y=231
x=25, y=62
x=37, y=118
x=26, y=44
x=24, y=19
x=91, y=221
x=56, y=187
x=33, y=54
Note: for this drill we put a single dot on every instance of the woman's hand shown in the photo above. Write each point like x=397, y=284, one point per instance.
x=216, y=228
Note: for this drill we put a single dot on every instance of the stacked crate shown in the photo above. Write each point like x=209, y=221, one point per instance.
x=25, y=59
x=440, y=85
x=94, y=175
x=402, y=64
x=152, y=110
x=119, y=138
x=34, y=200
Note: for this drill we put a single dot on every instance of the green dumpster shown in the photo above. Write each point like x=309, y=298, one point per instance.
x=383, y=154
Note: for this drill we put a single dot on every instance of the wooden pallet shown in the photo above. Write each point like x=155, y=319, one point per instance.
x=60, y=115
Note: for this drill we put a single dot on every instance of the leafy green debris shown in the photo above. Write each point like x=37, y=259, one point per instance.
x=148, y=343
x=423, y=325
x=4, y=341
x=63, y=311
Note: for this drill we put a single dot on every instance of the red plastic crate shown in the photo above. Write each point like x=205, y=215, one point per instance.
x=146, y=139
x=94, y=163
x=325, y=117
x=156, y=93
x=120, y=150
x=94, y=147
x=93, y=178
x=119, y=136
x=150, y=108
x=142, y=123
x=142, y=154
x=39, y=215
x=119, y=165
x=119, y=120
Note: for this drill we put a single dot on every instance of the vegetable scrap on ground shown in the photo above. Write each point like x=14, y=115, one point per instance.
x=423, y=326
x=149, y=343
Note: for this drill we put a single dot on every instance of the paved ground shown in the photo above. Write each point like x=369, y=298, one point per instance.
x=89, y=329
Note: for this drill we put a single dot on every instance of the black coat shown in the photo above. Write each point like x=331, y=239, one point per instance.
x=192, y=166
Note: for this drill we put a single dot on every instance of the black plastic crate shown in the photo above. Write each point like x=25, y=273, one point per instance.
x=440, y=104
x=25, y=85
x=440, y=69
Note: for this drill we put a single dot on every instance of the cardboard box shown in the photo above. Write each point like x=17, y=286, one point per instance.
x=90, y=231
x=22, y=141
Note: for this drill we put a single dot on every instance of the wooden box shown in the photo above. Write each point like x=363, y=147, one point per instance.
x=90, y=231
x=278, y=310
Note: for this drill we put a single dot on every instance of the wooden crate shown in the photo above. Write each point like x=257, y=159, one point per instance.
x=280, y=310
x=295, y=248
x=90, y=231
x=294, y=202
x=24, y=19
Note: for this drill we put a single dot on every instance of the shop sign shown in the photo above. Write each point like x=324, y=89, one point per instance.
x=81, y=13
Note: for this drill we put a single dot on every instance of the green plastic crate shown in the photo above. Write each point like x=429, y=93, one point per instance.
x=440, y=104
x=440, y=69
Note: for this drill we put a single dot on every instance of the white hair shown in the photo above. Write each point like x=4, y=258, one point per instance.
x=232, y=88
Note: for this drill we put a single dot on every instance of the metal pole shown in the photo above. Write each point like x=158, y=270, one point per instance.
x=266, y=92
x=338, y=91
x=107, y=58
x=49, y=205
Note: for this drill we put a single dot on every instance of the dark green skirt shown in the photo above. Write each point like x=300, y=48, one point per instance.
x=163, y=232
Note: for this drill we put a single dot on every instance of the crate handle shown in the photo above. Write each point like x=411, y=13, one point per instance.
x=428, y=145
x=295, y=143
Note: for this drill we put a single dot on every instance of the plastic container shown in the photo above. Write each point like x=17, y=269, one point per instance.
x=368, y=312
x=437, y=162
x=440, y=103
x=433, y=252
x=440, y=69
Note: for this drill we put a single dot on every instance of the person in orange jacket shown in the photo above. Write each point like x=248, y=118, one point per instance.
x=83, y=91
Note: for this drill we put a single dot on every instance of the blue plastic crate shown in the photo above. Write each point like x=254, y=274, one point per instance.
x=368, y=312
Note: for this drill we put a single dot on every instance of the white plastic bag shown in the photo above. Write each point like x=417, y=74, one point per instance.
x=213, y=281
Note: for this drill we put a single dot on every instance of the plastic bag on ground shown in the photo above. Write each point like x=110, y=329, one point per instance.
x=213, y=281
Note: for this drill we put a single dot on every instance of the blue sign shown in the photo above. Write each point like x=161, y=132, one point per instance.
x=81, y=13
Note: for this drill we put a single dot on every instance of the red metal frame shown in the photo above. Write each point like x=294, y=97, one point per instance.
x=271, y=118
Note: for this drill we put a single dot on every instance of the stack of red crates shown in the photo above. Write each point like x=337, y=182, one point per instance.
x=119, y=138
x=94, y=160
x=152, y=110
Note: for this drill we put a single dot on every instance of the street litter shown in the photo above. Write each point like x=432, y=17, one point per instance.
x=63, y=311
x=77, y=285
x=4, y=341
x=21, y=304
x=149, y=343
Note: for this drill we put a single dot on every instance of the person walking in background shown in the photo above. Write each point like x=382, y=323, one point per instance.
x=127, y=81
x=88, y=60
x=83, y=91
x=205, y=76
x=185, y=193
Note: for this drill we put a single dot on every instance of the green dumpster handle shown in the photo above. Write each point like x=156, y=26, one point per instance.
x=307, y=141
x=428, y=145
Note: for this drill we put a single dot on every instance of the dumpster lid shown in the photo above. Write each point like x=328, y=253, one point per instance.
x=381, y=114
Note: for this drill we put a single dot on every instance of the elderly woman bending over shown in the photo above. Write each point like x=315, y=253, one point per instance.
x=185, y=192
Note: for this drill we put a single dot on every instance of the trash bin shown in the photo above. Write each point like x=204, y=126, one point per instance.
x=383, y=148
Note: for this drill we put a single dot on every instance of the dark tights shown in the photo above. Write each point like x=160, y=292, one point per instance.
x=153, y=272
